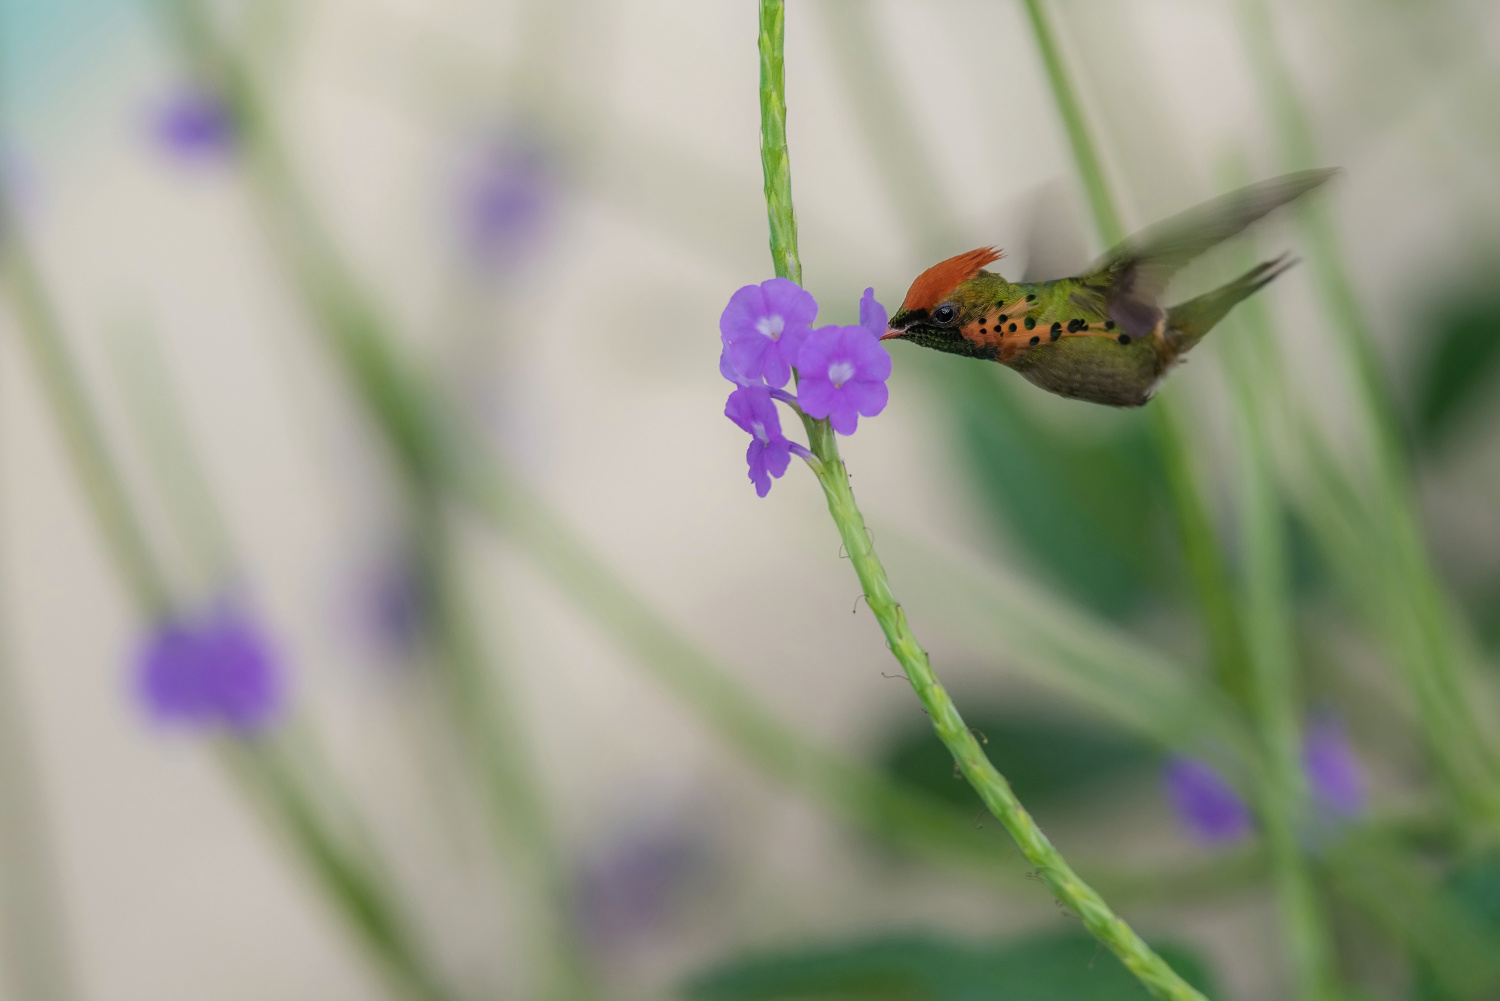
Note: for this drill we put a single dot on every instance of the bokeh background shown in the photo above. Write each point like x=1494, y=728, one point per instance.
x=548, y=204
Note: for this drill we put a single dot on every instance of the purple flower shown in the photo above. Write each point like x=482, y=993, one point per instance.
x=842, y=370
x=629, y=891
x=763, y=328
x=1334, y=773
x=1207, y=806
x=508, y=201
x=195, y=124
x=395, y=603
x=751, y=408
x=211, y=671
x=873, y=317
x=728, y=371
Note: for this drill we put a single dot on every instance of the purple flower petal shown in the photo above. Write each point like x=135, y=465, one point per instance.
x=764, y=326
x=843, y=372
x=1206, y=804
x=728, y=371
x=868, y=398
x=1334, y=773
x=872, y=315
x=769, y=454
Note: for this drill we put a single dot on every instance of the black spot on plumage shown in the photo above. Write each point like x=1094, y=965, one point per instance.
x=1056, y=328
x=1036, y=340
x=1012, y=328
x=1003, y=317
x=1124, y=338
x=1073, y=326
x=1031, y=298
x=1109, y=324
x=1030, y=322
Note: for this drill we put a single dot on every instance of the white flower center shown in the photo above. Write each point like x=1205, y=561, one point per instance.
x=840, y=372
x=771, y=326
x=759, y=430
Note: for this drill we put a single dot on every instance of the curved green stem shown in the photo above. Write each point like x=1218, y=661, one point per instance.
x=992, y=787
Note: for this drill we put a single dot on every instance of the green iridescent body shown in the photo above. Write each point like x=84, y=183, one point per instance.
x=1100, y=336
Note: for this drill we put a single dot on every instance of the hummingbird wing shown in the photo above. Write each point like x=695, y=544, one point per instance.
x=1133, y=276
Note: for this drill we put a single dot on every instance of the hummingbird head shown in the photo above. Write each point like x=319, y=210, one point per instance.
x=942, y=300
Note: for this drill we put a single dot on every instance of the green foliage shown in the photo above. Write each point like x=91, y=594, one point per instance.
x=1473, y=888
x=1084, y=508
x=1048, y=758
x=1462, y=362
x=1060, y=967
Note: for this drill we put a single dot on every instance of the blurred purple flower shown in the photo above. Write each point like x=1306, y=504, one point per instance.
x=763, y=328
x=1334, y=773
x=630, y=891
x=770, y=452
x=396, y=603
x=1206, y=805
x=508, y=201
x=213, y=671
x=842, y=371
x=195, y=124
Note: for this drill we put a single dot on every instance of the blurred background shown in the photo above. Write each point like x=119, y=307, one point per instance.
x=386, y=613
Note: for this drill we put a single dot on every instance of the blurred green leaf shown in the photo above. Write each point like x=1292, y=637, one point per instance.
x=1059, y=967
x=1462, y=362
x=1474, y=889
x=1082, y=506
x=1047, y=758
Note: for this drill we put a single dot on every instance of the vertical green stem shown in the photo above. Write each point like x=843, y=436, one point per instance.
x=1273, y=658
x=1204, y=557
x=775, y=161
x=1085, y=153
x=1419, y=621
x=33, y=933
x=993, y=789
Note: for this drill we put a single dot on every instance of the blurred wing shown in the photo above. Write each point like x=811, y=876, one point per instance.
x=1134, y=275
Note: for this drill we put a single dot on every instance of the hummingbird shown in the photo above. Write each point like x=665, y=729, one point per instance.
x=1102, y=336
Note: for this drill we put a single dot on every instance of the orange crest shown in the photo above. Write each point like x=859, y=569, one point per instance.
x=933, y=285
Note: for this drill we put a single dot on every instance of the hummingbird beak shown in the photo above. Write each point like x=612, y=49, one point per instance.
x=891, y=334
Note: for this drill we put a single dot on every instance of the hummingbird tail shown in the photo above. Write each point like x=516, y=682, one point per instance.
x=1189, y=322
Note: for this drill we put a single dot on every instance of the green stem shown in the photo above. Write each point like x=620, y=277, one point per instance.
x=354, y=890
x=1273, y=659
x=1205, y=559
x=1085, y=153
x=491, y=732
x=83, y=435
x=993, y=789
x=1417, y=618
x=775, y=161
x=353, y=887
x=33, y=933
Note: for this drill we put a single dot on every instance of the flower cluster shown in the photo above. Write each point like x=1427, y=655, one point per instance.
x=1211, y=810
x=210, y=671
x=767, y=336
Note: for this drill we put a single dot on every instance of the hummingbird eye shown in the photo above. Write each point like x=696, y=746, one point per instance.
x=945, y=314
